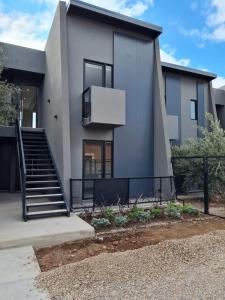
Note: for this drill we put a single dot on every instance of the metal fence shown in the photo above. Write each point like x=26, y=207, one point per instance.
x=200, y=181
x=93, y=193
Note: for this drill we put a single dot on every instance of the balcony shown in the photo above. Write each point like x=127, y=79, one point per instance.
x=104, y=107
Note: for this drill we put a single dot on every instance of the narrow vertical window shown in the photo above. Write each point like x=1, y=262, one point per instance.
x=194, y=109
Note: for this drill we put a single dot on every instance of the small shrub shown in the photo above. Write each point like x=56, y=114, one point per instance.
x=186, y=208
x=194, y=211
x=133, y=215
x=120, y=221
x=109, y=214
x=189, y=209
x=144, y=216
x=100, y=223
x=172, y=211
x=155, y=212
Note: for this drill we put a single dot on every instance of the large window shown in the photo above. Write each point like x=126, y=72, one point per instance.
x=98, y=74
x=194, y=110
x=97, y=159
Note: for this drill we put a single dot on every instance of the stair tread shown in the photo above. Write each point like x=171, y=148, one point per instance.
x=43, y=175
x=45, y=203
x=45, y=212
x=40, y=170
x=39, y=182
x=43, y=188
x=43, y=196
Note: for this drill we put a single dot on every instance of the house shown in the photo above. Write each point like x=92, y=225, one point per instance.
x=188, y=97
x=96, y=104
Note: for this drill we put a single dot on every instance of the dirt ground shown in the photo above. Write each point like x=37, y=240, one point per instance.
x=50, y=258
x=178, y=269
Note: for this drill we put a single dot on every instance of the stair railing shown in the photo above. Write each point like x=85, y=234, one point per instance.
x=22, y=168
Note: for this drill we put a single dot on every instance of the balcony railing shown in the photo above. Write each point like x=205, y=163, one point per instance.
x=86, y=104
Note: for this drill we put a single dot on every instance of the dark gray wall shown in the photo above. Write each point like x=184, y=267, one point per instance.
x=55, y=88
x=24, y=59
x=133, y=71
x=173, y=98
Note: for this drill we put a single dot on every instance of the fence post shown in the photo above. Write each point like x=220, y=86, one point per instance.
x=71, y=195
x=160, y=187
x=206, y=186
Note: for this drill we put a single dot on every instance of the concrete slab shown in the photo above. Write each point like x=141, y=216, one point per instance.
x=38, y=233
x=18, y=264
x=18, y=269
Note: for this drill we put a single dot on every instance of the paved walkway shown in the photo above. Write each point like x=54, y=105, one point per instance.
x=18, y=270
x=14, y=232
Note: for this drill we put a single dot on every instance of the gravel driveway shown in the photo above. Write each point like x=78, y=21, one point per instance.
x=191, y=268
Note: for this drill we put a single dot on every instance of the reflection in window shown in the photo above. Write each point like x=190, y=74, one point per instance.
x=98, y=74
x=93, y=75
x=194, y=110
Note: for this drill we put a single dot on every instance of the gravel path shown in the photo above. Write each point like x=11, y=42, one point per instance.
x=191, y=268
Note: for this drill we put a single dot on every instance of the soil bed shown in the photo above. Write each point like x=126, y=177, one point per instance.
x=129, y=239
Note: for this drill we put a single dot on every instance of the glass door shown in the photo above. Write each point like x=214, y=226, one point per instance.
x=28, y=107
x=97, y=164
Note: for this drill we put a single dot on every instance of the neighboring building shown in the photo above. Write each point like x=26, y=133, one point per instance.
x=98, y=92
x=219, y=97
x=188, y=96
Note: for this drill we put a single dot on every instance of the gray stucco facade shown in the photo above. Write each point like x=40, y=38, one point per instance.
x=154, y=98
x=182, y=87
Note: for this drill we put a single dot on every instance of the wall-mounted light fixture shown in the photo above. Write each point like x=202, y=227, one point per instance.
x=49, y=101
x=56, y=117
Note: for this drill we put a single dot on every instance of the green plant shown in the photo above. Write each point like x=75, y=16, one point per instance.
x=155, y=212
x=134, y=213
x=109, y=214
x=186, y=208
x=211, y=142
x=193, y=211
x=100, y=223
x=172, y=211
x=8, y=110
x=144, y=216
x=120, y=220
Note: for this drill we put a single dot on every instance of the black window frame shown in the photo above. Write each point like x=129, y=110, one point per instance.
x=103, y=144
x=103, y=65
x=196, y=109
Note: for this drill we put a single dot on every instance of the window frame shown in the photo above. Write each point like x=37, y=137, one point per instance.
x=102, y=143
x=195, y=101
x=103, y=65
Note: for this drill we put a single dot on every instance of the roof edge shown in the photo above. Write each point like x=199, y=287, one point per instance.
x=187, y=70
x=111, y=15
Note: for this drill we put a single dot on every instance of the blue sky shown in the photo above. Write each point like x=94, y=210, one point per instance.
x=193, y=30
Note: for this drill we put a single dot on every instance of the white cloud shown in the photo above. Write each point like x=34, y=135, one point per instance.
x=169, y=55
x=31, y=30
x=135, y=9
x=214, y=28
x=218, y=82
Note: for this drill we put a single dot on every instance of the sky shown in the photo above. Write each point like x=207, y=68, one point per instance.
x=193, y=30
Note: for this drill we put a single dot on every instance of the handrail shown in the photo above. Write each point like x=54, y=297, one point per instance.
x=22, y=167
x=21, y=147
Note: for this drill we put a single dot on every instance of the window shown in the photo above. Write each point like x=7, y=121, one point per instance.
x=97, y=159
x=98, y=74
x=194, y=109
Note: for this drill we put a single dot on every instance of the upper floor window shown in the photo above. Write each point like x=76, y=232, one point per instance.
x=194, y=109
x=98, y=74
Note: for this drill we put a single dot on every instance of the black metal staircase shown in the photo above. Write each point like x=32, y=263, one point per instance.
x=41, y=186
